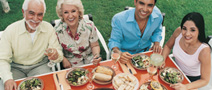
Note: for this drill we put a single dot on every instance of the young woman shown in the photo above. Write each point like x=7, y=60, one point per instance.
x=191, y=51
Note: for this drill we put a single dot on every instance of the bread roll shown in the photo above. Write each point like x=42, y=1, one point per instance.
x=102, y=77
x=104, y=70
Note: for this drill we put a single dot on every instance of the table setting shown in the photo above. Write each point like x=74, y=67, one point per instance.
x=133, y=75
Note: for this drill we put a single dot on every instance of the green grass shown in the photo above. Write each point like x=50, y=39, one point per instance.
x=103, y=11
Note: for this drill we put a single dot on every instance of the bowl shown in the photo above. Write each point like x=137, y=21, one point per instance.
x=140, y=62
x=26, y=84
x=104, y=82
x=125, y=81
x=147, y=84
x=171, y=75
x=76, y=76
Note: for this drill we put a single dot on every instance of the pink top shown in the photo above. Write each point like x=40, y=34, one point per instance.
x=189, y=64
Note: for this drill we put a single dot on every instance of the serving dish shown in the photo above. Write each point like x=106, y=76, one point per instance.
x=76, y=76
x=104, y=82
x=171, y=75
x=31, y=83
x=140, y=62
x=125, y=81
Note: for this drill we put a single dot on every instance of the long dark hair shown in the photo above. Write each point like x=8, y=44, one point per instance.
x=198, y=20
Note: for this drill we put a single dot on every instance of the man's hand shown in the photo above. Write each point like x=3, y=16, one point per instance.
x=156, y=47
x=125, y=57
x=53, y=55
x=10, y=85
x=66, y=63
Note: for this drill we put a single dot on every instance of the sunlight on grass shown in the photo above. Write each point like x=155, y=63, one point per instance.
x=104, y=10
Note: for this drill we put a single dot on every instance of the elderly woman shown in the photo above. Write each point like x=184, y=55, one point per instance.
x=191, y=51
x=77, y=36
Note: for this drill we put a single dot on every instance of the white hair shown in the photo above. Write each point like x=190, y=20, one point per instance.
x=76, y=3
x=26, y=3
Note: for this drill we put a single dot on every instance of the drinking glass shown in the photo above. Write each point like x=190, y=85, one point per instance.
x=115, y=55
x=156, y=60
x=152, y=70
x=90, y=75
x=49, y=52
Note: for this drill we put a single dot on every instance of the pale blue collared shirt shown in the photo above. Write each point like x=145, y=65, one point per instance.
x=126, y=34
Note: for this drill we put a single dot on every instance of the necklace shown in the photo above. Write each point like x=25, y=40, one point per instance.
x=143, y=28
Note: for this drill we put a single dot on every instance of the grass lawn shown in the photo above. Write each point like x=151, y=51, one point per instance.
x=103, y=11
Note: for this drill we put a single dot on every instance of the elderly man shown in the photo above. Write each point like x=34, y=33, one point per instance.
x=23, y=44
x=134, y=30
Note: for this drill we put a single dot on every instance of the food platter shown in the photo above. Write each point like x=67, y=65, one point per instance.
x=31, y=83
x=147, y=86
x=171, y=75
x=76, y=76
x=140, y=62
x=125, y=81
x=103, y=75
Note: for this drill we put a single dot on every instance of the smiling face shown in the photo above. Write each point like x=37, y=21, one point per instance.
x=190, y=32
x=33, y=15
x=143, y=8
x=70, y=15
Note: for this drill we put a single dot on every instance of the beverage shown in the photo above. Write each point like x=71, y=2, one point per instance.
x=49, y=52
x=90, y=76
x=152, y=70
x=156, y=59
x=115, y=56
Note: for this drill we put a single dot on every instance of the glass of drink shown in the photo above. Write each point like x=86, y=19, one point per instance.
x=90, y=75
x=156, y=60
x=152, y=70
x=49, y=52
x=115, y=55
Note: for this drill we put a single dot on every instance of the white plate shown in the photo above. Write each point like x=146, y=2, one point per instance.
x=123, y=74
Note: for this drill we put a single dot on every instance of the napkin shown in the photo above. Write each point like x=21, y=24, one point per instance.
x=62, y=80
x=125, y=69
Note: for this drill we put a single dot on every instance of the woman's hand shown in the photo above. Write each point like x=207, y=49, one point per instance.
x=96, y=59
x=179, y=86
x=66, y=63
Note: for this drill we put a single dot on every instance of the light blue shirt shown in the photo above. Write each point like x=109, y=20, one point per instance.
x=126, y=34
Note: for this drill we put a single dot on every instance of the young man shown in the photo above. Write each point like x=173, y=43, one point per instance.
x=134, y=30
x=23, y=44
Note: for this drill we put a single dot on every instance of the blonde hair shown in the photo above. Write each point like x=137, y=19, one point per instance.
x=76, y=3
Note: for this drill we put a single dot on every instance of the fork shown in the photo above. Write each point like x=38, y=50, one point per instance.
x=61, y=86
x=135, y=62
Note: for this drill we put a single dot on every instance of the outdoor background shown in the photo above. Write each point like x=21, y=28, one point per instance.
x=103, y=11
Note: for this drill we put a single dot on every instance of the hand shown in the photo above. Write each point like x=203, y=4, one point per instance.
x=156, y=47
x=96, y=59
x=66, y=63
x=125, y=57
x=179, y=86
x=10, y=85
x=53, y=55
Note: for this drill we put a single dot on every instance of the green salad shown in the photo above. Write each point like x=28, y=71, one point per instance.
x=77, y=77
x=32, y=84
x=171, y=75
x=140, y=61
